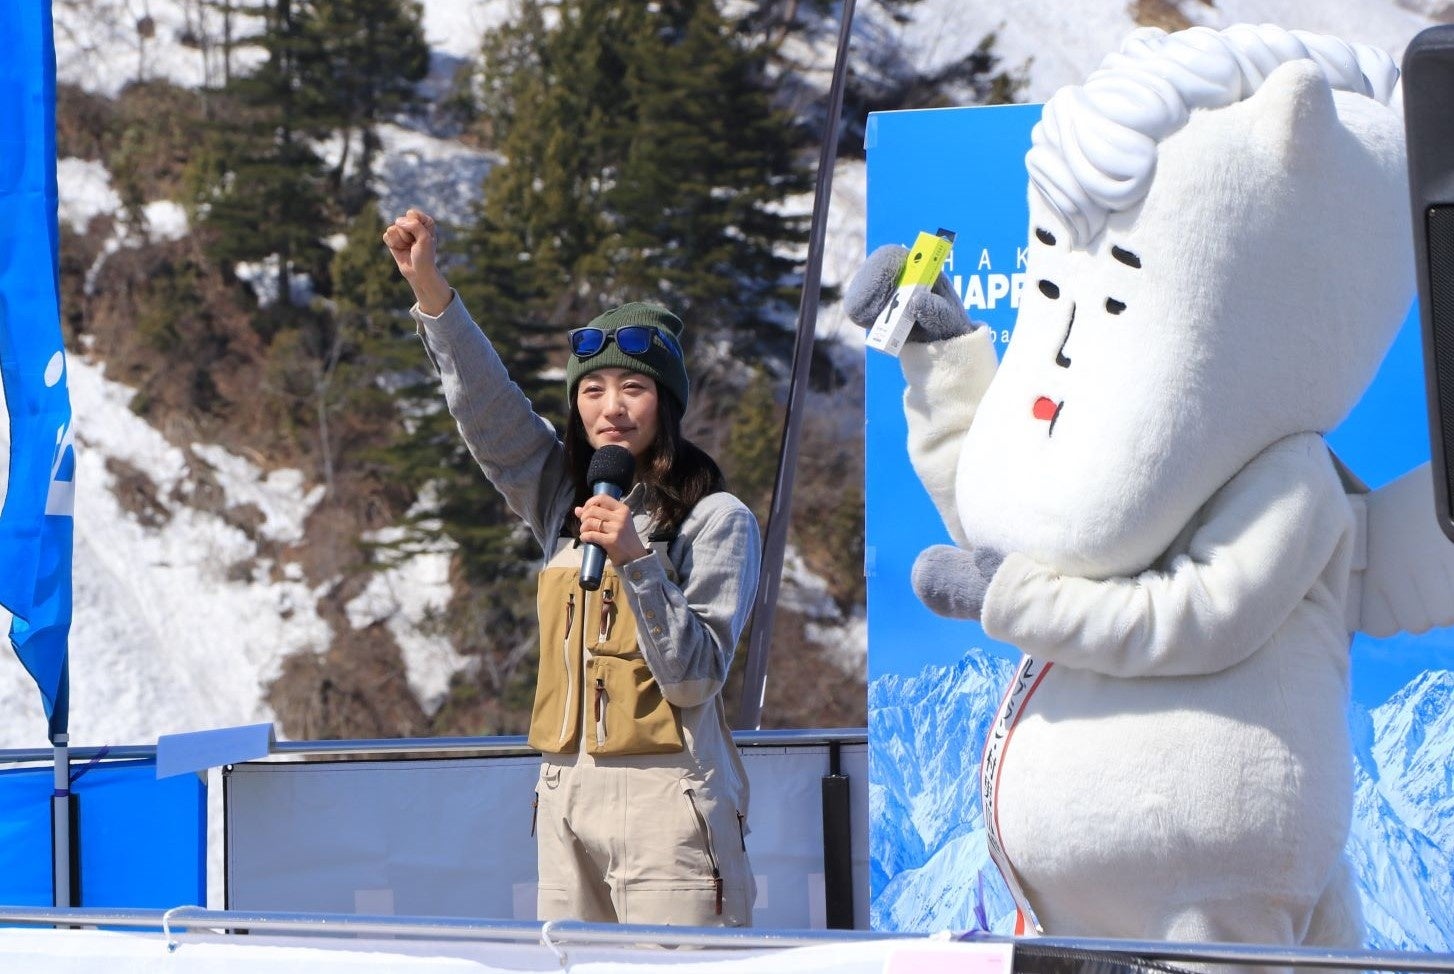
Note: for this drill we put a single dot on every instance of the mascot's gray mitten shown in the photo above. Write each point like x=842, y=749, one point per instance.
x=937, y=313
x=952, y=582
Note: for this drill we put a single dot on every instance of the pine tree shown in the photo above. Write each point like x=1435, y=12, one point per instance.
x=533, y=239
x=555, y=100
x=977, y=78
x=645, y=161
x=363, y=60
x=259, y=185
x=333, y=68
x=218, y=28
x=707, y=165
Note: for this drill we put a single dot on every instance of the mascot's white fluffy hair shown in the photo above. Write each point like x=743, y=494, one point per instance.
x=1094, y=149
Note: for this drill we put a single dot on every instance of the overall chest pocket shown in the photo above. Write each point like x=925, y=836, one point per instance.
x=628, y=714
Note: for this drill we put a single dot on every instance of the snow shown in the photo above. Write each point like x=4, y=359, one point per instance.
x=439, y=176
x=454, y=27
x=164, y=639
x=279, y=495
x=1062, y=43
x=406, y=600
x=104, y=45
x=165, y=220
x=87, y=192
x=262, y=277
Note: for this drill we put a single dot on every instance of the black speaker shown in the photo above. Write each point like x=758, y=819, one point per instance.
x=1428, y=90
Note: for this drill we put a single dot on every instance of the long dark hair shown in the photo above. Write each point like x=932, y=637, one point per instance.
x=679, y=472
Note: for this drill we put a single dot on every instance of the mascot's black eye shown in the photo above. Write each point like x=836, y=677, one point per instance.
x=1049, y=290
x=1115, y=307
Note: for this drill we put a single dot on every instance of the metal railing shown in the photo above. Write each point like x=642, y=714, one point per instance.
x=193, y=918
x=501, y=746
x=559, y=933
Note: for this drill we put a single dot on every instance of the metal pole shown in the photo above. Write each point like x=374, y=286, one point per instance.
x=62, y=826
x=837, y=844
x=759, y=644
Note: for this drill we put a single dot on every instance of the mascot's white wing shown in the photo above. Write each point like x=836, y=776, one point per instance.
x=1407, y=577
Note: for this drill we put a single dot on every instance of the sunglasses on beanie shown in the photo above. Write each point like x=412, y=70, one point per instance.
x=631, y=339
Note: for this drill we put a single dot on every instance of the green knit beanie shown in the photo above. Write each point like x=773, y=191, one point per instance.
x=658, y=361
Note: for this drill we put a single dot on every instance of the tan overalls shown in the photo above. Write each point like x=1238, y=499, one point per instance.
x=629, y=828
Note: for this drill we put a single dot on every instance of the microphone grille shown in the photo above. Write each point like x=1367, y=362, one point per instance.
x=612, y=464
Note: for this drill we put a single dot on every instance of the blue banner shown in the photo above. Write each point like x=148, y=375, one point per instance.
x=934, y=683
x=38, y=487
x=961, y=169
x=142, y=841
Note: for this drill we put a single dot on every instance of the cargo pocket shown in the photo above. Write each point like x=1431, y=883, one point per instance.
x=555, y=864
x=631, y=716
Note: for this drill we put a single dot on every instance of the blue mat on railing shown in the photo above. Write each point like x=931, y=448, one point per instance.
x=142, y=842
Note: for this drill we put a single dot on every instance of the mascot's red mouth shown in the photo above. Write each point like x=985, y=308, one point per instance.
x=1048, y=410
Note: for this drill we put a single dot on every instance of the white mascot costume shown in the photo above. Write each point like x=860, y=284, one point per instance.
x=1141, y=497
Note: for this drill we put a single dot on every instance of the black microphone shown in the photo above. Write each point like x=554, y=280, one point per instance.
x=610, y=473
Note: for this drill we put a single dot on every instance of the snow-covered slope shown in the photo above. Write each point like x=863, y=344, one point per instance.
x=178, y=624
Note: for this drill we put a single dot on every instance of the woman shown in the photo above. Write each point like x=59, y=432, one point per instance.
x=642, y=798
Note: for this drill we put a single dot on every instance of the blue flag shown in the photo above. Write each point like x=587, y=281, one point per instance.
x=38, y=485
